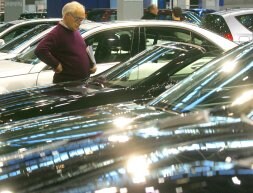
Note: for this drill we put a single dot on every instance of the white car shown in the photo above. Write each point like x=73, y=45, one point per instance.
x=234, y=24
x=113, y=42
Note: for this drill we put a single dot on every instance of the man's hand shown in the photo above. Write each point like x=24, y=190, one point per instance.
x=93, y=69
x=58, y=69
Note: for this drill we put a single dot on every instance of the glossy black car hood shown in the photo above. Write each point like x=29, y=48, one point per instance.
x=40, y=130
x=106, y=154
x=56, y=99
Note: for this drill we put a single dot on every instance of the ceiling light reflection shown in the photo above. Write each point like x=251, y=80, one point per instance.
x=118, y=138
x=107, y=190
x=244, y=97
x=122, y=121
x=236, y=180
x=138, y=166
x=229, y=66
x=6, y=191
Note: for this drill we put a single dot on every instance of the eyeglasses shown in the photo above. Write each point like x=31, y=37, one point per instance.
x=77, y=19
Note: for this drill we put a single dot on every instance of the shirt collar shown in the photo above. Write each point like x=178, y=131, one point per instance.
x=63, y=24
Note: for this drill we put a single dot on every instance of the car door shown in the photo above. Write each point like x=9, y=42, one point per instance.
x=45, y=75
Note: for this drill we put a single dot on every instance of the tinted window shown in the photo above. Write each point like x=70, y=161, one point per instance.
x=159, y=35
x=112, y=46
x=16, y=32
x=145, y=66
x=23, y=38
x=215, y=23
x=246, y=21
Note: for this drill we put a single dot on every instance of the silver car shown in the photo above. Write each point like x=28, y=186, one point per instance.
x=235, y=24
x=12, y=29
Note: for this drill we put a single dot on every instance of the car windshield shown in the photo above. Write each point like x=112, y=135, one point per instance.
x=146, y=64
x=23, y=38
x=218, y=83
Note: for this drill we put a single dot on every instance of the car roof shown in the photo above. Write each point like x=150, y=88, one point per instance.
x=238, y=11
x=18, y=21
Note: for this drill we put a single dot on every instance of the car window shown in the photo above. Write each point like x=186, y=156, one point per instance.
x=143, y=68
x=189, y=69
x=216, y=23
x=246, y=21
x=156, y=35
x=163, y=34
x=28, y=56
x=16, y=32
x=23, y=38
x=112, y=46
x=192, y=17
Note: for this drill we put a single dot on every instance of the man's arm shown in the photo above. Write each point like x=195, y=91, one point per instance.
x=43, y=52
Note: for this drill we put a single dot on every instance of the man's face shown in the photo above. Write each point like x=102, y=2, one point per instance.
x=74, y=20
x=154, y=10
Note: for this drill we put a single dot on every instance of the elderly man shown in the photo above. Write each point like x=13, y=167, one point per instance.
x=64, y=49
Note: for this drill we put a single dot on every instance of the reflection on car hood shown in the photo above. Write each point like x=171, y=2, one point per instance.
x=62, y=97
x=31, y=132
x=101, y=150
x=10, y=68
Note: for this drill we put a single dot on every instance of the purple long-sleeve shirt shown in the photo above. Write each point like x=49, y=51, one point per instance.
x=67, y=47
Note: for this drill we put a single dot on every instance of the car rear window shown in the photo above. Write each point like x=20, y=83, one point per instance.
x=215, y=23
x=246, y=21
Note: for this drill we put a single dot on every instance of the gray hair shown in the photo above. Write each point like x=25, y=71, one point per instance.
x=72, y=7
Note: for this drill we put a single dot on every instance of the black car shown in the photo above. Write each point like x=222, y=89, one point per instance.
x=209, y=151
x=122, y=147
x=224, y=81
x=141, y=78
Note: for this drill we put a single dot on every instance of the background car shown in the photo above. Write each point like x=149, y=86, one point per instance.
x=34, y=15
x=202, y=12
x=101, y=15
x=24, y=41
x=188, y=16
x=234, y=24
x=112, y=42
x=104, y=15
x=12, y=29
